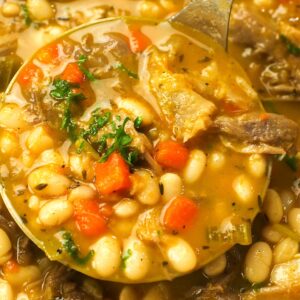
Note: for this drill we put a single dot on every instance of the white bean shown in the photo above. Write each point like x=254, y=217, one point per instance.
x=9, y=143
x=287, y=274
x=257, y=165
x=271, y=235
x=294, y=219
x=47, y=182
x=168, y=5
x=10, y=9
x=12, y=116
x=264, y=3
x=27, y=158
x=55, y=212
x=172, y=186
x=40, y=10
x=25, y=274
x=150, y=9
x=272, y=206
x=128, y=293
x=137, y=263
x=22, y=296
x=5, y=244
x=39, y=140
x=34, y=202
x=82, y=167
x=6, y=291
x=157, y=292
x=138, y=109
x=287, y=198
x=243, y=188
x=82, y=192
x=51, y=156
x=285, y=250
x=216, y=160
x=195, y=166
x=258, y=262
x=126, y=208
x=107, y=258
x=216, y=267
x=145, y=187
x=180, y=254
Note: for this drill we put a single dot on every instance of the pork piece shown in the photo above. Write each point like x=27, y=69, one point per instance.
x=248, y=27
x=182, y=108
x=258, y=133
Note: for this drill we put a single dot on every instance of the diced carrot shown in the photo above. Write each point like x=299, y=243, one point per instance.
x=264, y=116
x=138, y=41
x=85, y=205
x=11, y=266
x=88, y=217
x=73, y=74
x=91, y=224
x=171, y=154
x=180, y=213
x=112, y=175
x=48, y=54
x=29, y=74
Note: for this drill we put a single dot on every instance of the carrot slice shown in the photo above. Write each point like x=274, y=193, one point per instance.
x=73, y=74
x=138, y=41
x=180, y=213
x=91, y=224
x=112, y=175
x=171, y=154
x=88, y=218
x=11, y=266
x=29, y=74
x=48, y=55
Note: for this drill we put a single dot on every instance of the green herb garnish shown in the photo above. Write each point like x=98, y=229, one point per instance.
x=82, y=59
x=98, y=122
x=121, y=141
x=138, y=122
x=121, y=67
x=64, y=91
x=71, y=248
x=26, y=14
x=292, y=48
x=125, y=257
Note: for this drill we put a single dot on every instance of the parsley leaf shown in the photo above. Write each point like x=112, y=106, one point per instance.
x=120, y=143
x=292, y=48
x=63, y=91
x=125, y=257
x=82, y=59
x=138, y=122
x=71, y=248
x=97, y=123
x=121, y=67
x=26, y=15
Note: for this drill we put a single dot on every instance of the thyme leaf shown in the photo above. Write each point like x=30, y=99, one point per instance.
x=82, y=59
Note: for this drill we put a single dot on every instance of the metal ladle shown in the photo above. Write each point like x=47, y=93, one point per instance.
x=208, y=16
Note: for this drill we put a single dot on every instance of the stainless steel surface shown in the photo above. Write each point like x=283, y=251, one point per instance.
x=209, y=16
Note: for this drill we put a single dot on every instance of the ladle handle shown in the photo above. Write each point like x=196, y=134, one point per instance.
x=208, y=16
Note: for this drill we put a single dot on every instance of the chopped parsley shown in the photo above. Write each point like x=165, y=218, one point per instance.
x=138, y=122
x=291, y=47
x=121, y=67
x=125, y=257
x=71, y=248
x=98, y=122
x=121, y=141
x=26, y=15
x=82, y=59
x=64, y=91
